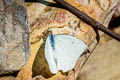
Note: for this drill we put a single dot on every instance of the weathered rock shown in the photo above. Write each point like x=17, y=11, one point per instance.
x=46, y=15
x=117, y=11
x=14, y=36
x=60, y=21
x=7, y=78
x=103, y=64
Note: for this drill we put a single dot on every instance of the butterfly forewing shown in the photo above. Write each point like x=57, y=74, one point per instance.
x=49, y=55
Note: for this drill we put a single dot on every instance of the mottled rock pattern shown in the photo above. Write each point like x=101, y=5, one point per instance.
x=7, y=78
x=117, y=11
x=46, y=15
x=103, y=64
x=14, y=36
x=60, y=21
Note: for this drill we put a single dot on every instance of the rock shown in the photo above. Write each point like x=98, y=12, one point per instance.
x=117, y=11
x=46, y=15
x=103, y=64
x=14, y=36
x=60, y=21
x=59, y=76
x=7, y=78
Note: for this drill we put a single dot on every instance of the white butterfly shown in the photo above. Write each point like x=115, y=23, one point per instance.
x=63, y=51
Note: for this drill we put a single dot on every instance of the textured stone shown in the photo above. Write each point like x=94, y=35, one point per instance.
x=103, y=64
x=60, y=21
x=7, y=78
x=117, y=11
x=14, y=36
x=46, y=15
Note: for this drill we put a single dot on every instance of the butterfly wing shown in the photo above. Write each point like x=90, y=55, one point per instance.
x=68, y=50
x=49, y=55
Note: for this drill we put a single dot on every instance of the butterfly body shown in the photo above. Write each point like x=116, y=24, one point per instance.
x=62, y=52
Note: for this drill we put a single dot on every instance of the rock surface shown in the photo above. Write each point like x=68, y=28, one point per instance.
x=117, y=11
x=14, y=36
x=46, y=15
x=103, y=64
x=7, y=78
x=60, y=21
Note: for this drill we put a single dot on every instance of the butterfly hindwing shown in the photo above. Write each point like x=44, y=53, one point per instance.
x=68, y=50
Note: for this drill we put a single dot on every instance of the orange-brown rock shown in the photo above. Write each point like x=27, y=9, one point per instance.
x=103, y=64
x=45, y=15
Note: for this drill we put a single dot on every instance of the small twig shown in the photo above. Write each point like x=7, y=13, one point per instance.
x=88, y=19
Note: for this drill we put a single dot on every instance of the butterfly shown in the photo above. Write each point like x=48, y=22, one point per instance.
x=63, y=51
